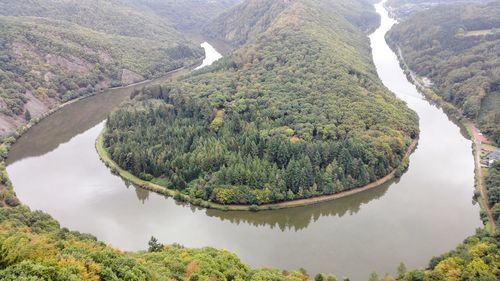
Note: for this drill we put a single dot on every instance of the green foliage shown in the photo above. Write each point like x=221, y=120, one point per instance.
x=401, y=270
x=27, y=115
x=154, y=245
x=110, y=16
x=254, y=17
x=186, y=14
x=296, y=112
x=54, y=51
x=374, y=277
x=457, y=48
x=492, y=185
x=402, y=9
x=34, y=247
x=476, y=259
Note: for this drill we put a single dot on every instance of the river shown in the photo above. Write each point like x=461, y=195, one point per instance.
x=54, y=167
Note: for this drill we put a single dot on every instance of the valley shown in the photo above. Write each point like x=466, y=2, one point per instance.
x=292, y=102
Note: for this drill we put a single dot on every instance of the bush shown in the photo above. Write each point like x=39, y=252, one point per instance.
x=254, y=208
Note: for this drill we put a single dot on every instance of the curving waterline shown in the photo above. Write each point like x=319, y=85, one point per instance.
x=126, y=175
x=424, y=213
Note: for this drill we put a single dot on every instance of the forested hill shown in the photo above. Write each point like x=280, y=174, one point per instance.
x=110, y=16
x=252, y=18
x=52, y=51
x=295, y=112
x=458, y=48
x=189, y=15
x=403, y=9
x=249, y=19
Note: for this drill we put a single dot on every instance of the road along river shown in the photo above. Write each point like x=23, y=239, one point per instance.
x=54, y=167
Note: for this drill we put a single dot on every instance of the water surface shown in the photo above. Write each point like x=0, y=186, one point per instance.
x=54, y=168
x=211, y=55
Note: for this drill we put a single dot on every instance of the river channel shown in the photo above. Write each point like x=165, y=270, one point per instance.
x=54, y=168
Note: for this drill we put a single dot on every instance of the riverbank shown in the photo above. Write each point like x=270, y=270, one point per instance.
x=127, y=176
x=69, y=182
x=8, y=196
x=469, y=126
x=11, y=138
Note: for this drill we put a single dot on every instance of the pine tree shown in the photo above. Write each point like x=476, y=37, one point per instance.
x=401, y=270
x=307, y=172
x=374, y=277
x=27, y=115
x=293, y=176
x=154, y=245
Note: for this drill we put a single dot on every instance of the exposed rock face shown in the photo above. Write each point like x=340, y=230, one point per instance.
x=130, y=77
x=54, y=51
x=73, y=65
x=35, y=106
x=9, y=124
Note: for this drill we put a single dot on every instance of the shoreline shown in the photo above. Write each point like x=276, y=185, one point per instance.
x=469, y=125
x=19, y=131
x=180, y=197
x=10, y=139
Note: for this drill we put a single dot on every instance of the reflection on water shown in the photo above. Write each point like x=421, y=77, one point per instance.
x=300, y=218
x=85, y=114
x=55, y=168
x=142, y=194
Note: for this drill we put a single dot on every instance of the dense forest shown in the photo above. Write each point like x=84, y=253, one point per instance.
x=186, y=15
x=109, y=16
x=492, y=184
x=403, y=9
x=54, y=51
x=297, y=111
x=252, y=18
x=457, y=47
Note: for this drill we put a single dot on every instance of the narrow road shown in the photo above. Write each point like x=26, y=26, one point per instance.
x=477, y=139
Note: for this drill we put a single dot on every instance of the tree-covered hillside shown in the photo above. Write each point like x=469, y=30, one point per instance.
x=478, y=258
x=492, y=184
x=50, y=59
x=252, y=18
x=458, y=48
x=54, y=51
x=188, y=15
x=403, y=9
x=109, y=16
x=297, y=111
